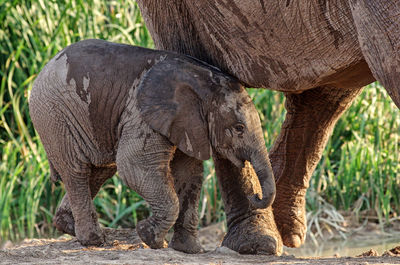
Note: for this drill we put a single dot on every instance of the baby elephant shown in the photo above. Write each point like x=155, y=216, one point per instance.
x=153, y=115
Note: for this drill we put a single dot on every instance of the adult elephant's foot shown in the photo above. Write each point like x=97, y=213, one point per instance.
x=256, y=234
x=290, y=215
x=186, y=242
x=90, y=235
x=63, y=219
x=149, y=233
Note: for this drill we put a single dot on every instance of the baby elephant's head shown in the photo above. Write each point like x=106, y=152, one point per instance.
x=201, y=110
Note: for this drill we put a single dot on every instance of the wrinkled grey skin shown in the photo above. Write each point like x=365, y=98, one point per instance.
x=319, y=53
x=153, y=115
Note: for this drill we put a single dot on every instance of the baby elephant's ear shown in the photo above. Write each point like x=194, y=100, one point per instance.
x=170, y=98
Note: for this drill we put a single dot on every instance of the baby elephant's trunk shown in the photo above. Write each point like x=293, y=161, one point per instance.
x=263, y=169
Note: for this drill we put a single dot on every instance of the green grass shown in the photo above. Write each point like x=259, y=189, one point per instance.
x=359, y=171
x=360, y=168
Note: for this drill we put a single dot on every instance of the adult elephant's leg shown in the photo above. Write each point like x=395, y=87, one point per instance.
x=250, y=231
x=63, y=219
x=187, y=173
x=310, y=119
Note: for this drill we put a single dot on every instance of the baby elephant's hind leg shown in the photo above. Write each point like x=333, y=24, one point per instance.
x=63, y=219
x=188, y=179
x=146, y=171
x=75, y=177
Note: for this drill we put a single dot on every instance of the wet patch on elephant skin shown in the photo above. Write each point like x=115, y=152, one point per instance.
x=79, y=74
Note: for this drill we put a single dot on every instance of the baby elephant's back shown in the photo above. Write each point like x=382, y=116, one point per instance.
x=85, y=86
x=96, y=69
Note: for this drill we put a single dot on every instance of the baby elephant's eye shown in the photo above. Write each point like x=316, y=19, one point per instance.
x=239, y=128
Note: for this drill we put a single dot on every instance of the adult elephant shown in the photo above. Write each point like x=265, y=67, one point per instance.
x=320, y=53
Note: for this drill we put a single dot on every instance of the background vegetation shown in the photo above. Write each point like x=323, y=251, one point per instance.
x=359, y=171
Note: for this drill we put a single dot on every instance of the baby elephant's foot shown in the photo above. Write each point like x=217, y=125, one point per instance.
x=148, y=234
x=64, y=221
x=186, y=242
x=88, y=236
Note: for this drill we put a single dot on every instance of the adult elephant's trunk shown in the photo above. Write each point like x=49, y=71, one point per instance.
x=263, y=169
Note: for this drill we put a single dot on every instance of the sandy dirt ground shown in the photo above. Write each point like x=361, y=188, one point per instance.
x=124, y=247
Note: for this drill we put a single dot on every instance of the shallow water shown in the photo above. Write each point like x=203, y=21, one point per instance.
x=353, y=246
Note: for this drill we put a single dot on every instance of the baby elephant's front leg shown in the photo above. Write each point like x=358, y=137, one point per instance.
x=188, y=179
x=159, y=193
x=146, y=171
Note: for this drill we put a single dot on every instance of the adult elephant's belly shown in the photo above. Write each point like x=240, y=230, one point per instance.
x=287, y=46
